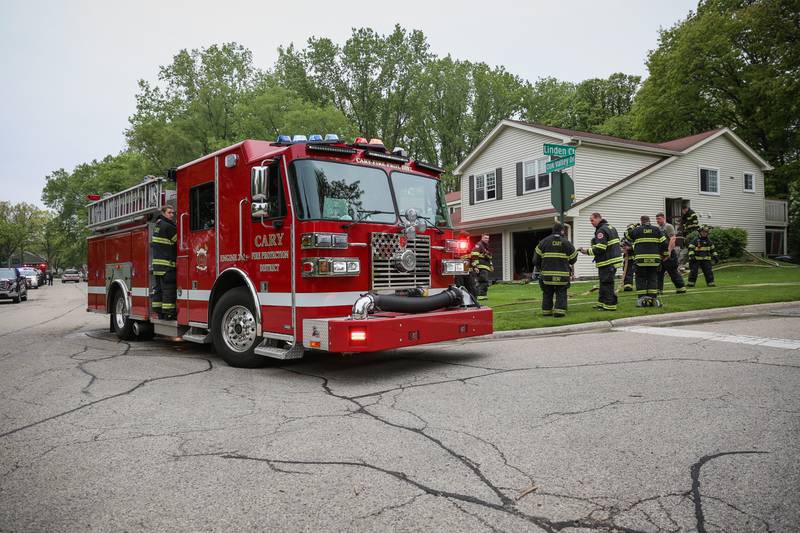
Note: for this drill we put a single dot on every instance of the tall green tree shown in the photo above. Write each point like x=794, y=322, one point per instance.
x=732, y=63
x=20, y=230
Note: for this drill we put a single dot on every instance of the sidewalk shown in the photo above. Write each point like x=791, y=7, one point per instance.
x=664, y=319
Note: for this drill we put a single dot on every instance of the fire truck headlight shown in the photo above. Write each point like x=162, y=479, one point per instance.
x=339, y=267
x=453, y=267
x=353, y=267
x=330, y=266
x=323, y=240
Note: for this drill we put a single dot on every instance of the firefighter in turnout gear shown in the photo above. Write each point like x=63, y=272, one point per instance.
x=162, y=252
x=650, y=247
x=607, y=257
x=480, y=266
x=627, y=254
x=689, y=221
x=701, y=253
x=554, y=257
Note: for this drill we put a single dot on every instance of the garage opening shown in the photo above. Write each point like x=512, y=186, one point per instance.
x=524, y=243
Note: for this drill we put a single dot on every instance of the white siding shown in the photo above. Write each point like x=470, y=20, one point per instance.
x=595, y=169
x=680, y=179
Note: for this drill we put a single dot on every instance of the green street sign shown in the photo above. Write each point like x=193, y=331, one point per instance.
x=559, y=164
x=558, y=150
x=562, y=192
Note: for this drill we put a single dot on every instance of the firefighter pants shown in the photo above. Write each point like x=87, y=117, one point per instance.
x=162, y=297
x=708, y=273
x=670, y=266
x=607, y=298
x=647, y=280
x=559, y=292
x=479, y=282
x=627, y=282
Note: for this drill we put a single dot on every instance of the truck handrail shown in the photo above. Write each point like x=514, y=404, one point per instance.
x=126, y=205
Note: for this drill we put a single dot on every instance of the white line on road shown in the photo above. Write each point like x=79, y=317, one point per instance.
x=786, y=344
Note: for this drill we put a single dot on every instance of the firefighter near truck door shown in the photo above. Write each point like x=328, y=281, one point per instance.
x=162, y=251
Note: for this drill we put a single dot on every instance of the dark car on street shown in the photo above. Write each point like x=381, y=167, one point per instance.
x=13, y=285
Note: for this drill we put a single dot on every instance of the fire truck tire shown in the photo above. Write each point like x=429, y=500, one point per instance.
x=233, y=329
x=123, y=326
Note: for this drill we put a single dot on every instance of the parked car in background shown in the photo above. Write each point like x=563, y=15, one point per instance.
x=71, y=274
x=32, y=275
x=13, y=285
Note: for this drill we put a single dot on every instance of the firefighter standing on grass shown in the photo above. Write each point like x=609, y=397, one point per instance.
x=650, y=247
x=701, y=253
x=481, y=265
x=670, y=264
x=554, y=257
x=162, y=251
x=607, y=257
x=627, y=254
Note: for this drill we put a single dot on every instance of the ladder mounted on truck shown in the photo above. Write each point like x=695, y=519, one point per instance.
x=128, y=205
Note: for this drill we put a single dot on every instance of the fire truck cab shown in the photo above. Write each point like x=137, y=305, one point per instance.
x=289, y=246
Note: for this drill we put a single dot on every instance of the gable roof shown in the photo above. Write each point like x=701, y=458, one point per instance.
x=674, y=147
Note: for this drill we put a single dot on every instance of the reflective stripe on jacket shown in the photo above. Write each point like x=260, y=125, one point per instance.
x=689, y=222
x=554, y=256
x=481, y=258
x=702, y=249
x=649, y=245
x=605, y=246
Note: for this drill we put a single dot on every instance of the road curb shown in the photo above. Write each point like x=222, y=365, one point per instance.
x=682, y=317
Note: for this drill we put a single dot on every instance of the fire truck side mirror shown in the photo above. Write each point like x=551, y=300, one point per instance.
x=258, y=184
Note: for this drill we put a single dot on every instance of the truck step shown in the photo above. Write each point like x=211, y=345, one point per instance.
x=168, y=328
x=293, y=352
x=198, y=335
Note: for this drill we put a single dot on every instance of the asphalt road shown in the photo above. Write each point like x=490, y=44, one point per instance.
x=688, y=428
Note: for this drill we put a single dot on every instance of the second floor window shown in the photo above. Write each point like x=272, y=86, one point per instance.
x=749, y=182
x=535, y=177
x=709, y=181
x=485, y=187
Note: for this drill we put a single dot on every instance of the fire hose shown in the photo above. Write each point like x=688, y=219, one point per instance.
x=452, y=297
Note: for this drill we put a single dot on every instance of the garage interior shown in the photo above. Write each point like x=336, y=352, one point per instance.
x=523, y=243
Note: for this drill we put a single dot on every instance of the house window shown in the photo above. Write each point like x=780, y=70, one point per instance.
x=535, y=178
x=749, y=182
x=485, y=187
x=709, y=181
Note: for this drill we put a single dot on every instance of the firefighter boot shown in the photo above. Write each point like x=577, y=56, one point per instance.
x=680, y=290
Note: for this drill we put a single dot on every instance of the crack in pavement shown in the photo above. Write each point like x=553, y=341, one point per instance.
x=695, y=490
x=111, y=397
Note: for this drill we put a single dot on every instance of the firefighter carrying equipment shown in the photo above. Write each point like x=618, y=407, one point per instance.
x=606, y=246
x=689, y=222
x=554, y=256
x=481, y=257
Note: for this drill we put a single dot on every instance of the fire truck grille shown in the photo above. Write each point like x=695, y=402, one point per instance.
x=384, y=273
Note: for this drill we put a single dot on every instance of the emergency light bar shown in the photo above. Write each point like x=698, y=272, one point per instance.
x=428, y=166
x=331, y=149
x=386, y=157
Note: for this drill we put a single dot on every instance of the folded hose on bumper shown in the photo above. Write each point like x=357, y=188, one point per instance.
x=452, y=297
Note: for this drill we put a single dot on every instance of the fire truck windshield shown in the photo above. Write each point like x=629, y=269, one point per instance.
x=423, y=194
x=337, y=191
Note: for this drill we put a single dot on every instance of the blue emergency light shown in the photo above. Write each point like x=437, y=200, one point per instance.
x=315, y=137
x=284, y=139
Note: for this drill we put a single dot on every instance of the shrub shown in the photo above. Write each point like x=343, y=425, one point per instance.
x=730, y=242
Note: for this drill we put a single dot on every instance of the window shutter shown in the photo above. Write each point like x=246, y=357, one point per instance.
x=519, y=178
x=472, y=190
x=498, y=180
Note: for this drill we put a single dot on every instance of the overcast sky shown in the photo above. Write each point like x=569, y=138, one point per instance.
x=69, y=68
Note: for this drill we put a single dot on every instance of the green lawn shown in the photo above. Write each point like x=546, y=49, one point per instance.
x=518, y=306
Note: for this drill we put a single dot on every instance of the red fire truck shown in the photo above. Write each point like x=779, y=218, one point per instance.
x=289, y=246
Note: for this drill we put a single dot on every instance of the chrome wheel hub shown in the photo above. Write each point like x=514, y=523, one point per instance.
x=119, y=312
x=238, y=328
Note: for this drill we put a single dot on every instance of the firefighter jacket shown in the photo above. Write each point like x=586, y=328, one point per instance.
x=554, y=256
x=650, y=246
x=605, y=246
x=689, y=222
x=162, y=246
x=702, y=249
x=481, y=258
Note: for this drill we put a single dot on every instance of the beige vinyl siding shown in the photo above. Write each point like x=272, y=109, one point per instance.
x=681, y=179
x=595, y=169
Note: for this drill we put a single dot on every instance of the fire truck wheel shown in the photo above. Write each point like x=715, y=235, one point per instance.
x=123, y=326
x=233, y=329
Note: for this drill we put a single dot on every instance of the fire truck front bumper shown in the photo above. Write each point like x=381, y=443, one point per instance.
x=386, y=331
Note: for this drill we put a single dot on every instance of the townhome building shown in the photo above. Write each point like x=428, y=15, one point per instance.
x=505, y=189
